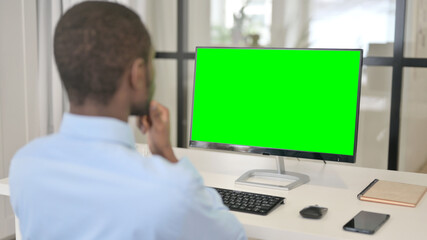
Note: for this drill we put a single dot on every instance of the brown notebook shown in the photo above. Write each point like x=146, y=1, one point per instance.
x=401, y=194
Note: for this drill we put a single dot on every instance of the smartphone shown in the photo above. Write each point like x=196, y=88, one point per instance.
x=366, y=222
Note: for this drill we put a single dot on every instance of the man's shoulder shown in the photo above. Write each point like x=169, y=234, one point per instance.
x=35, y=146
x=25, y=162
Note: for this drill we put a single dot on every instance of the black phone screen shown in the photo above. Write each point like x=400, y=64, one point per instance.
x=366, y=222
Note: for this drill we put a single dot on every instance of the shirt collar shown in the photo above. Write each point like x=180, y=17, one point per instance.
x=97, y=128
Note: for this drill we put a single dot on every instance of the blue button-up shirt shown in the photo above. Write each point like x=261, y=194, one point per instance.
x=89, y=182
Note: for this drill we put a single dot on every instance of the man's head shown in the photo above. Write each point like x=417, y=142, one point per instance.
x=98, y=46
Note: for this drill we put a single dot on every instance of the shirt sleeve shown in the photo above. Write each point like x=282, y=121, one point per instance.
x=206, y=216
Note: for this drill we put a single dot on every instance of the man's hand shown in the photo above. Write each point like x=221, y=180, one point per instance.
x=157, y=129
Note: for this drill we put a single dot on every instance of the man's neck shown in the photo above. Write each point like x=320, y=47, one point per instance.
x=93, y=109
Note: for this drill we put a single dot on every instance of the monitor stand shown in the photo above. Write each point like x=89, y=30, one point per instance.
x=279, y=174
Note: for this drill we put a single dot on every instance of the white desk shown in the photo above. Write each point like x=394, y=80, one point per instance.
x=333, y=186
x=4, y=191
x=4, y=187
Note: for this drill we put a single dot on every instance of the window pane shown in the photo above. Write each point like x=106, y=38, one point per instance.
x=160, y=19
x=413, y=126
x=374, y=118
x=415, y=30
x=166, y=94
x=365, y=24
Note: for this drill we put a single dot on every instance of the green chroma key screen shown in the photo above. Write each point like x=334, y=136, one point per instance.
x=292, y=99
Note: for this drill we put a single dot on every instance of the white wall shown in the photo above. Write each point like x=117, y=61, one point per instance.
x=18, y=74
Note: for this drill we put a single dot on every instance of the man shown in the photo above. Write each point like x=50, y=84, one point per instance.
x=88, y=181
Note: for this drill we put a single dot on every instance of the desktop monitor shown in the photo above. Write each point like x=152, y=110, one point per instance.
x=300, y=103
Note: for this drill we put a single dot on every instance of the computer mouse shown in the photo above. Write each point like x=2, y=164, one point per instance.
x=313, y=212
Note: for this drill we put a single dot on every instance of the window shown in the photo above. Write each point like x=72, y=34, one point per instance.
x=377, y=26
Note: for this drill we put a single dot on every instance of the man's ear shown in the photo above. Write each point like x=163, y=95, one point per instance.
x=137, y=74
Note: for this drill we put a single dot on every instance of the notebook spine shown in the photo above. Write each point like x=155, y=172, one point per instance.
x=367, y=188
x=378, y=200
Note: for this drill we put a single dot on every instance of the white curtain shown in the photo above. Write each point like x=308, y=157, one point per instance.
x=52, y=97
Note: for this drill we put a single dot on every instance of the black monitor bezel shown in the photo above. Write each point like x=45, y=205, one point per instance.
x=282, y=152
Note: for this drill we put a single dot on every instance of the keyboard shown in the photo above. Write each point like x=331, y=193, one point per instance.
x=248, y=202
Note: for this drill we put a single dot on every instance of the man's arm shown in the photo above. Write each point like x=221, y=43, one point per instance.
x=208, y=218
x=156, y=126
x=201, y=213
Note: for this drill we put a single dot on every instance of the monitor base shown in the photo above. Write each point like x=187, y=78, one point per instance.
x=297, y=179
